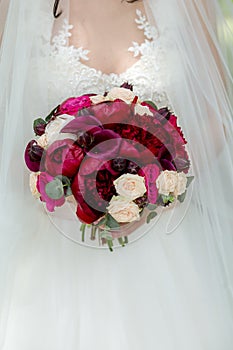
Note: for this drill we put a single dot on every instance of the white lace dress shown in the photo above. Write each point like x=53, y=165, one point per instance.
x=70, y=76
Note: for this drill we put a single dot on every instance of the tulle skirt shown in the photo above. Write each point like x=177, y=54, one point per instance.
x=160, y=292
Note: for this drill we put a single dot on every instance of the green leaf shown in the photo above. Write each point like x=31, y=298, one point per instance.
x=51, y=114
x=54, y=189
x=181, y=198
x=190, y=179
x=38, y=121
x=151, y=206
x=152, y=104
x=64, y=179
x=168, y=199
x=111, y=222
x=101, y=222
x=69, y=192
x=151, y=216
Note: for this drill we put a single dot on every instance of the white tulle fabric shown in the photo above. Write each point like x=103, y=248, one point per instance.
x=165, y=291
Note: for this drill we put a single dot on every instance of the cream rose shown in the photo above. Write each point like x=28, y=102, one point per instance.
x=98, y=99
x=43, y=141
x=142, y=110
x=32, y=183
x=123, y=210
x=125, y=95
x=171, y=182
x=181, y=184
x=167, y=182
x=130, y=186
x=53, y=129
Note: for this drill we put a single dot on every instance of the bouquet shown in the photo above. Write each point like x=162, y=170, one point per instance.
x=113, y=155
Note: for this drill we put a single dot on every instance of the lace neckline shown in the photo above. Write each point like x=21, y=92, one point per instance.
x=60, y=43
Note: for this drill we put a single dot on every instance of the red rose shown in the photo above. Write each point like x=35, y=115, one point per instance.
x=73, y=105
x=63, y=157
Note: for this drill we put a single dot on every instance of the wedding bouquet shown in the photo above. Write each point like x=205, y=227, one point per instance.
x=114, y=155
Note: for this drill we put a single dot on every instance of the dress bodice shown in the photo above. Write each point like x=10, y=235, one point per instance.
x=70, y=76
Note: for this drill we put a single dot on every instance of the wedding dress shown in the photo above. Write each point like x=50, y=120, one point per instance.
x=170, y=290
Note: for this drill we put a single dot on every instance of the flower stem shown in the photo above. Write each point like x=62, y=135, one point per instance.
x=110, y=244
x=121, y=241
x=93, y=232
x=126, y=240
x=82, y=229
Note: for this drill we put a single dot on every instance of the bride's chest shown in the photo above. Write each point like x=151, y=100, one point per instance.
x=71, y=76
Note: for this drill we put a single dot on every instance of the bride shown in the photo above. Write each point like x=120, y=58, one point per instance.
x=172, y=289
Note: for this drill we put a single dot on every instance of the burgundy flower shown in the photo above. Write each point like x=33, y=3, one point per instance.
x=86, y=214
x=176, y=130
x=84, y=191
x=105, y=144
x=43, y=180
x=74, y=104
x=33, y=156
x=111, y=112
x=63, y=157
x=86, y=123
x=127, y=86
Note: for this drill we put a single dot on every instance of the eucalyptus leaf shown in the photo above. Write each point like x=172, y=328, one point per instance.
x=181, y=198
x=151, y=216
x=101, y=222
x=64, y=179
x=189, y=180
x=151, y=206
x=54, y=189
x=69, y=192
x=111, y=222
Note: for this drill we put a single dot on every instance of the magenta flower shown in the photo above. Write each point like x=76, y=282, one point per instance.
x=151, y=173
x=42, y=181
x=73, y=105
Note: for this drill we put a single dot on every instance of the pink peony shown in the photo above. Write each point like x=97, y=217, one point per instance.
x=73, y=105
x=42, y=181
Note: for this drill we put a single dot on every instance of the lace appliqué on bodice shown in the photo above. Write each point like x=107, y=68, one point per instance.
x=71, y=77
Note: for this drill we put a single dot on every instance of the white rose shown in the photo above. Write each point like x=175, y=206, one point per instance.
x=181, y=185
x=98, y=99
x=125, y=95
x=130, y=186
x=53, y=129
x=32, y=183
x=122, y=210
x=167, y=182
x=142, y=110
x=43, y=141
